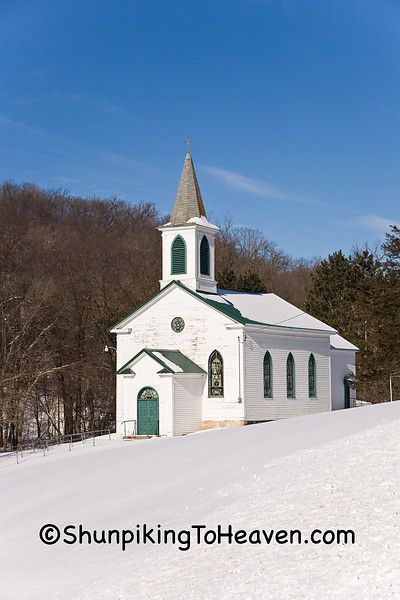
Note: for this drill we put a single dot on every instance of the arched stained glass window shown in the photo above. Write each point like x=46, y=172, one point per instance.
x=178, y=256
x=312, y=377
x=148, y=393
x=215, y=375
x=290, y=377
x=204, y=256
x=267, y=375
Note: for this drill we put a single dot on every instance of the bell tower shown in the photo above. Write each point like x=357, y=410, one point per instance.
x=188, y=240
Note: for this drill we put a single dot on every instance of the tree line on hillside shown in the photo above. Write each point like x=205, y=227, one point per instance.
x=359, y=295
x=71, y=267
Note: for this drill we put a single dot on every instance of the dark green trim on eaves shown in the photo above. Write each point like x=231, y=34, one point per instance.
x=227, y=309
x=125, y=370
x=230, y=311
x=174, y=356
x=181, y=360
x=141, y=305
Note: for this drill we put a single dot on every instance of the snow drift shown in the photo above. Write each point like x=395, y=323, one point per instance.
x=327, y=471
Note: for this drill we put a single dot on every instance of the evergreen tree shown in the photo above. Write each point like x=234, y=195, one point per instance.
x=392, y=250
x=331, y=296
x=389, y=305
x=344, y=294
x=250, y=282
x=227, y=279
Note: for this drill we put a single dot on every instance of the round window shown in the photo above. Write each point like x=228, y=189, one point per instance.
x=177, y=324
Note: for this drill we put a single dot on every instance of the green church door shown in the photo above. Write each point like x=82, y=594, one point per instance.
x=346, y=395
x=147, y=412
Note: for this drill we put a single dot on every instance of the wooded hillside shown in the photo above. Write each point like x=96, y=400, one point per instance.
x=69, y=269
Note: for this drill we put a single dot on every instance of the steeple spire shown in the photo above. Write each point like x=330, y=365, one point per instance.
x=188, y=201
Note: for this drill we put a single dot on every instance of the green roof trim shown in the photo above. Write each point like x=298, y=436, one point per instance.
x=175, y=356
x=181, y=360
x=141, y=306
x=125, y=369
x=230, y=311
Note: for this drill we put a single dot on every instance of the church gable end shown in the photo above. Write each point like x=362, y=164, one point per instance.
x=224, y=308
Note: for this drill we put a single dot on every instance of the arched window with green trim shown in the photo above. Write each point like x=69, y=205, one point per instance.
x=290, y=377
x=267, y=375
x=312, y=377
x=178, y=256
x=215, y=375
x=204, y=256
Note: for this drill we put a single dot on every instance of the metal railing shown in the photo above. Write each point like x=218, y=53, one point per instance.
x=69, y=438
x=133, y=427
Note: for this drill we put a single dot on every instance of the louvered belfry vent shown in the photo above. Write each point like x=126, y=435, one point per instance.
x=204, y=256
x=178, y=256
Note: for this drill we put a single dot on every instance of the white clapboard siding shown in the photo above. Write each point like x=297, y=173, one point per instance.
x=187, y=413
x=205, y=331
x=341, y=361
x=280, y=406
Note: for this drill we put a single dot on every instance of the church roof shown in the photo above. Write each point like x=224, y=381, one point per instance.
x=188, y=201
x=171, y=361
x=265, y=310
x=340, y=343
x=245, y=308
x=270, y=309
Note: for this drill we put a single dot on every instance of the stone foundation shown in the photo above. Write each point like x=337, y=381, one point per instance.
x=227, y=423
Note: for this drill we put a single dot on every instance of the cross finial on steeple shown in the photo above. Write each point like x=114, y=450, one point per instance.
x=188, y=143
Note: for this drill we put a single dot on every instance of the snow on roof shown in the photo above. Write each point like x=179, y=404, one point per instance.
x=172, y=365
x=272, y=310
x=253, y=309
x=194, y=221
x=340, y=343
x=178, y=362
x=202, y=221
x=173, y=361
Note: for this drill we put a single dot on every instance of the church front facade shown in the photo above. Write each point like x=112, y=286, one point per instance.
x=195, y=356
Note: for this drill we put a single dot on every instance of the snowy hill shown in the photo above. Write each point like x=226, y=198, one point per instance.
x=328, y=471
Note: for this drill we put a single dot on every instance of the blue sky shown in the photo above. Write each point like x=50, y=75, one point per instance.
x=293, y=107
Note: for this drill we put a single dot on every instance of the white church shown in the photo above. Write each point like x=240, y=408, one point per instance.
x=195, y=356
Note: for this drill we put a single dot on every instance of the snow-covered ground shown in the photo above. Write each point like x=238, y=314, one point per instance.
x=328, y=471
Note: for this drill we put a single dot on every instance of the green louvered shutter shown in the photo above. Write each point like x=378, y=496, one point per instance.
x=178, y=256
x=204, y=256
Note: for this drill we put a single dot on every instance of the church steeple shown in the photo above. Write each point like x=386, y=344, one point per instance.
x=188, y=200
x=188, y=238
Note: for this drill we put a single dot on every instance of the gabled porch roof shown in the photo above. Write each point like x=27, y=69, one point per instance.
x=171, y=361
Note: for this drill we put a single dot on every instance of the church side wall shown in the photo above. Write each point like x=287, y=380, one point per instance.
x=339, y=365
x=205, y=330
x=187, y=404
x=280, y=406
